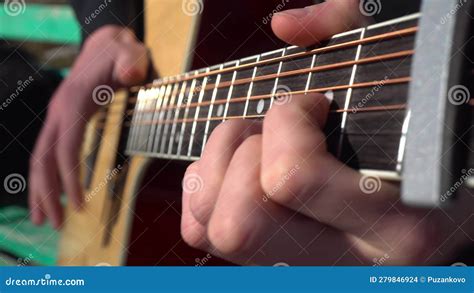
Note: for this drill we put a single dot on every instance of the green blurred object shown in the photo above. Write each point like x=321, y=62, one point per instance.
x=31, y=245
x=40, y=23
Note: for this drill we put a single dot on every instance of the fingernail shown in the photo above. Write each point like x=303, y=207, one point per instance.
x=296, y=13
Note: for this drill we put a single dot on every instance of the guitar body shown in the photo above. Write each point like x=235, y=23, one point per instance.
x=86, y=237
x=137, y=223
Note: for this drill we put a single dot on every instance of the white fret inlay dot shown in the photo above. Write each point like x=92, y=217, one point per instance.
x=220, y=110
x=330, y=96
x=176, y=137
x=260, y=106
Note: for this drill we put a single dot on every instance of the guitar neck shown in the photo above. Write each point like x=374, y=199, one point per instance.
x=364, y=73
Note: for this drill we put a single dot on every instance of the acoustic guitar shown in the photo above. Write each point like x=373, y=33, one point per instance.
x=400, y=111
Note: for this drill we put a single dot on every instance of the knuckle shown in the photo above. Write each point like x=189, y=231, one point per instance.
x=226, y=235
x=192, y=182
x=281, y=176
x=37, y=162
x=201, y=206
x=419, y=243
x=191, y=235
x=192, y=168
x=249, y=148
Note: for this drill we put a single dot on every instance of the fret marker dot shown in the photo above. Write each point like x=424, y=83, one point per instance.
x=176, y=137
x=260, y=106
x=330, y=96
x=220, y=110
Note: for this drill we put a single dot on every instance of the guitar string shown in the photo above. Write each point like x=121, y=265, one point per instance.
x=317, y=90
x=189, y=120
x=101, y=124
x=276, y=95
x=327, y=68
x=186, y=77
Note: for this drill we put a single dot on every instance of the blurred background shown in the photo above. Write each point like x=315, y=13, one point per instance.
x=39, y=40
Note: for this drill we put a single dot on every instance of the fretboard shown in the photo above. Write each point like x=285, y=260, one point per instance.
x=364, y=73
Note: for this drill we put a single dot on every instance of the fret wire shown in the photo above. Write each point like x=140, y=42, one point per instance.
x=136, y=112
x=196, y=115
x=280, y=66
x=349, y=95
x=135, y=120
x=132, y=134
x=371, y=109
x=381, y=37
x=403, y=141
x=130, y=131
x=251, y=86
x=157, y=95
x=186, y=112
x=211, y=108
x=347, y=63
x=176, y=116
x=340, y=111
x=141, y=117
x=168, y=114
x=144, y=117
x=327, y=67
x=332, y=88
x=308, y=82
x=160, y=114
x=229, y=95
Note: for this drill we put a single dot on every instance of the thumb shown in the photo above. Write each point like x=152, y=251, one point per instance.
x=313, y=24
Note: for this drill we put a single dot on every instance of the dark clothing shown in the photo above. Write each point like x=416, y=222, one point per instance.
x=243, y=25
x=92, y=14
